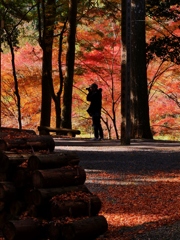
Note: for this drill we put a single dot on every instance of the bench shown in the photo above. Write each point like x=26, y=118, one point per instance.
x=43, y=130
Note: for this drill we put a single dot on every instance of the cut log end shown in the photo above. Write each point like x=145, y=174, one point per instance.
x=4, y=160
x=75, y=204
x=79, y=229
x=34, y=142
x=22, y=229
x=59, y=177
x=3, y=145
x=49, y=161
x=89, y=228
x=37, y=179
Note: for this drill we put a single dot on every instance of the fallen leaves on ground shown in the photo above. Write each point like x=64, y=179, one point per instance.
x=134, y=204
x=72, y=196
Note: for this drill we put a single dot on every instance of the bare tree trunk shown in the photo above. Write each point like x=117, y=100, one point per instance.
x=57, y=97
x=16, y=92
x=46, y=13
x=70, y=58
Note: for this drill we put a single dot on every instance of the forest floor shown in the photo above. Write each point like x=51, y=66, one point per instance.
x=139, y=185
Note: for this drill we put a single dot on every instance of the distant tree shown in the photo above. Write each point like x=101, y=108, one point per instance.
x=57, y=97
x=9, y=37
x=98, y=60
x=13, y=17
x=165, y=43
x=163, y=46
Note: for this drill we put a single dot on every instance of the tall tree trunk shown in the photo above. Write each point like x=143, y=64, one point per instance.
x=57, y=97
x=15, y=79
x=140, y=126
x=70, y=58
x=47, y=15
x=125, y=71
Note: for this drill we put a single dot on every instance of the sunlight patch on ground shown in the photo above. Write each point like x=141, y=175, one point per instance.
x=131, y=220
x=111, y=182
x=93, y=170
x=92, y=148
x=106, y=178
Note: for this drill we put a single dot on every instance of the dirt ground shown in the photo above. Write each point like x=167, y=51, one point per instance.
x=137, y=184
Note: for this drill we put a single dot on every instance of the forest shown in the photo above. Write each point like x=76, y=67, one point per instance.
x=51, y=51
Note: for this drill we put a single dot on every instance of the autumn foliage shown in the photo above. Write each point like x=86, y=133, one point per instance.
x=135, y=204
x=98, y=59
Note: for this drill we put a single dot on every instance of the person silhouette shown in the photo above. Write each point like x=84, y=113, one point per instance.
x=94, y=96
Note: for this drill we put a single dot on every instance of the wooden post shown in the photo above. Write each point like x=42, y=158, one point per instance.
x=125, y=71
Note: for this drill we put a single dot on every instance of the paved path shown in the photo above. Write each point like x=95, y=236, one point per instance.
x=139, y=157
x=86, y=145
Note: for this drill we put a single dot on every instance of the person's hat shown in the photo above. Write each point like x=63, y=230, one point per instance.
x=94, y=85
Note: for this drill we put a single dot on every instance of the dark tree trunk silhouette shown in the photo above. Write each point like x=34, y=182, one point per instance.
x=46, y=14
x=125, y=71
x=70, y=58
x=16, y=92
x=140, y=125
x=57, y=97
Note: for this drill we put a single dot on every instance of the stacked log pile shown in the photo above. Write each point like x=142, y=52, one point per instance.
x=43, y=196
x=16, y=139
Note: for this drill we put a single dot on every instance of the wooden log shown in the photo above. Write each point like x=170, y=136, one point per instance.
x=41, y=143
x=88, y=228
x=53, y=160
x=2, y=204
x=59, y=177
x=41, y=199
x=16, y=131
x=3, y=135
x=32, y=211
x=43, y=130
x=39, y=196
x=85, y=204
x=54, y=231
x=22, y=177
x=16, y=208
x=17, y=159
x=14, y=161
x=85, y=228
x=3, y=145
x=7, y=191
x=4, y=162
x=22, y=229
x=4, y=217
x=3, y=177
x=35, y=143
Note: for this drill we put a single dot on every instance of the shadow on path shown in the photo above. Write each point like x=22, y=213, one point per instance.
x=141, y=158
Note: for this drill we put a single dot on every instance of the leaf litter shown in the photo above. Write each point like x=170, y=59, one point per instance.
x=134, y=204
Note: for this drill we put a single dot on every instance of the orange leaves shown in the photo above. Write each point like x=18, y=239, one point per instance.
x=72, y=196
x=137, y=203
